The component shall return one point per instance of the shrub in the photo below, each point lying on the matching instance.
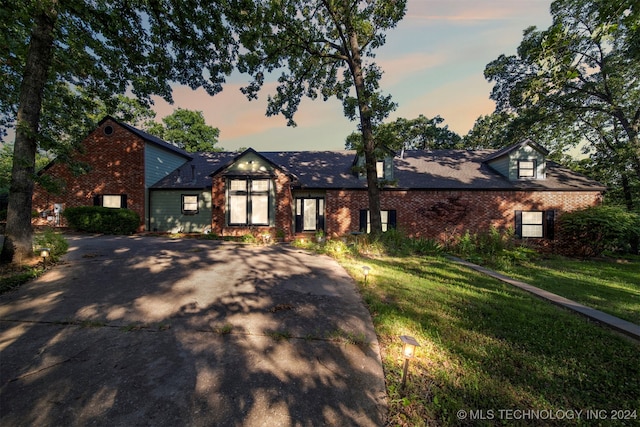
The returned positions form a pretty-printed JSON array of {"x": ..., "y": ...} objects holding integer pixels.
[
  {"x": 98, "y": 219},
  {"x": 594, "y": 230}
]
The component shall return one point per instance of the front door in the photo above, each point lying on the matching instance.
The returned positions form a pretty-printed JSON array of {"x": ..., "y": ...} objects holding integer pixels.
[{"x": 309, "y": 214}]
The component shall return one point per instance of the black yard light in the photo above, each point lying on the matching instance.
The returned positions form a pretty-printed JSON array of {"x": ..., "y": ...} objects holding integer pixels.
[{"x": 409, "y": 345}]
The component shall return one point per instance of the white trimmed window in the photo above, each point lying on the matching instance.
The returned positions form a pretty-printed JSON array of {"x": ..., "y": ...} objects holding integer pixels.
[
  {"x": 189, "y": 204},
  {"x": 526, "y": 168},
  {"x": 535, "y": 224}
]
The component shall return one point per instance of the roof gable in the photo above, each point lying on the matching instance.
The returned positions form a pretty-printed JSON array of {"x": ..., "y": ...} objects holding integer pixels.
[
  {"x": 510, "y": 149},
  {"x": 148, "y": 137}
]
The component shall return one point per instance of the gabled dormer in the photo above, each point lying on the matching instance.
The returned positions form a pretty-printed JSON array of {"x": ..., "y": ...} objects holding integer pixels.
[
  {"x": 384, "y": 165},
  {"x": 525, "y": 160}
]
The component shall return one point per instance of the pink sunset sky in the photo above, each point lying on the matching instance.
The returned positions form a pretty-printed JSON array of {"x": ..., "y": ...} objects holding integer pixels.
[{"x": 433, "y": 64}]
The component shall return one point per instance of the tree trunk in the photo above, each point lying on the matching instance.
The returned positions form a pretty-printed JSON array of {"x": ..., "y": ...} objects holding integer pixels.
[
  {"x": 367, "y": 135},
  {"x": 19, "y": 233}
]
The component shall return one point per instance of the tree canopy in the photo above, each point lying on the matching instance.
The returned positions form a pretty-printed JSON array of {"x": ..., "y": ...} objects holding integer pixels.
[
  {"x": 50, "y": 49},
  {"x": 580, "y": 81},
  {"x": 322, "y": 48},
  {"x": 188, "y": 130},
  {"x": 420, "y": 133}
]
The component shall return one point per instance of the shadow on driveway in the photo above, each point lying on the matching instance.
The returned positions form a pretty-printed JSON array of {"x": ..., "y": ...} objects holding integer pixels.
[{"x": 151, "y": 331}]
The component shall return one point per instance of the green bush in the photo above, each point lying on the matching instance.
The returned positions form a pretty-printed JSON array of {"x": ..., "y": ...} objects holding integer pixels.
[
  {"x": 53, "y": 241},
  {"x": 594, "y": 230},
  {"x": 98, "y": 219}
]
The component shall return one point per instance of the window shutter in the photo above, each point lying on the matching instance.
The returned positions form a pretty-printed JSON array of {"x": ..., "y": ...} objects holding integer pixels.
[
  {"x": 550, "y": 224},
  {"x": 391, "y": 221},
  {"x": 363, "y": 220},
  {"x": 123, "y": 202},
  {"x": 97, "y": 200},
  {"x": 518, "y": 230}
]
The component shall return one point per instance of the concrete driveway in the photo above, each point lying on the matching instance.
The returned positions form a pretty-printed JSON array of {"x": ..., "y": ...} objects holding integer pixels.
[{"x": 150, "y": 331}]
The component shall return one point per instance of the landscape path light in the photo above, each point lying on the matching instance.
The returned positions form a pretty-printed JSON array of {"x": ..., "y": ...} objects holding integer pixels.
[
  {"x": 44, "y": 253},
  {"x": 409, "y": 345},
  {"x": 365, "y": 271}
]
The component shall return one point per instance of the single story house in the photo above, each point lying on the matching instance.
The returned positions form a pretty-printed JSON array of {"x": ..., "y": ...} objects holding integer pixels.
[{"x": 434, "y": 194}]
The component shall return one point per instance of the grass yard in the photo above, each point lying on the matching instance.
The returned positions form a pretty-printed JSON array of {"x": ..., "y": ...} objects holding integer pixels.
[
  {"x": 609, "y": 285},
  {"x": 490, "y": 351}
]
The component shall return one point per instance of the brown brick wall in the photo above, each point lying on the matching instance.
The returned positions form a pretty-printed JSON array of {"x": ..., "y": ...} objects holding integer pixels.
[
  {"x": 443, "y": 214},
  {"x": 116, "y": 165},
  {"x": 283, "y": 210}
]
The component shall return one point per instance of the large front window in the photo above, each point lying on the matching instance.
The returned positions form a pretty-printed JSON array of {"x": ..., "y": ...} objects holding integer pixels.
[{"x": 249, "y": 201}]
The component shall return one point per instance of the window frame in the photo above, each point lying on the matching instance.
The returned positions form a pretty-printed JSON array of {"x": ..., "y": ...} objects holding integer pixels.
[
  {"x": 250, "y": 195},
  {"x": 532, "y": 171},
  {"x": 546, "y": 224},
  {"x": 380, "y": 169},
  {"x": 99, "y": 200},
  {"x": 390, "y": 223},
  {"x": 184, "y": 202}
]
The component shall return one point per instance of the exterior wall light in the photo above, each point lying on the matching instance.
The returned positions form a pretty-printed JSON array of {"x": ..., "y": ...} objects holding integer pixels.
[
  {"x": 45, "y": 253},
  {"x": 409, "y": 345}
]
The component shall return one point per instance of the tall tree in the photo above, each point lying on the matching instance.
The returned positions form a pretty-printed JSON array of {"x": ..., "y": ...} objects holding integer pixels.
[
  {"x": 324, "y": 47},
  {"x": 106, "y": 47},
  {"x": 420, "y": 133},
  {"x": 581, "y": 74},
  {"x": 187, "y": 129}
]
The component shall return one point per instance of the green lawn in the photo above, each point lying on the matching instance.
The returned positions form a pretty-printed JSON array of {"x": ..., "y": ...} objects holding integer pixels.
[
  {"x": 611, "y": 285},
  {"x": 491, "y": 350}
]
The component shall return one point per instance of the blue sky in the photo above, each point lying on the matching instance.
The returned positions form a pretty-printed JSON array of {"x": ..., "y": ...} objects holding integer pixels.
[{"x": 433, "y": 64}]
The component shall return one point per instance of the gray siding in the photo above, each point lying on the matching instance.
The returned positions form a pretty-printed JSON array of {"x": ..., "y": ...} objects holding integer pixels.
[
  {"x": 159, "y": 163},
  {"x": 166, "y": 211}
]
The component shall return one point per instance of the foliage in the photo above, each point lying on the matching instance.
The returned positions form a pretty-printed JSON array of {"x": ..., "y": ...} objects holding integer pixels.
[
  {"x": 577, "y": 82},
  {"x": 420, "y": 133},
  {"x": 108, "y": 48},
  {"x": 187, "y": 129},
  {"x": 53, "y": 240},
  {"x": 486, "y": 345},
  {"x": 13, "y": 276},
  {"x": 98, "y": 219},
  {"x": 321, "y": 49},
  {"x": 591, "y": 231}
]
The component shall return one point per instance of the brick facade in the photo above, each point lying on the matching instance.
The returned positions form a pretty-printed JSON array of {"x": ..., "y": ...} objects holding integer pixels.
[
  {"x": 116, "y": 166},
  {"x": 444, "y": 214}
]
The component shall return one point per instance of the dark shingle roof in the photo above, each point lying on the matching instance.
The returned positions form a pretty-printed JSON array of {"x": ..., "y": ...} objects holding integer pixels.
[
  {"x": 195, "y": 173},
  {"x": 419, "y": 169}
]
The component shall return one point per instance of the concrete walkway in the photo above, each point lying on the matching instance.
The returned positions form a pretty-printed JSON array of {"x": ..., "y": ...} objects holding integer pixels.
[{"x": 623, "y": 326}]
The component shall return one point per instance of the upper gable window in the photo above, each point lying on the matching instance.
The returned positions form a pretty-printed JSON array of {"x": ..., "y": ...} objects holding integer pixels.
[
  {"x": 526, "y": 168},
  {"x": 380, "y": 169}
]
